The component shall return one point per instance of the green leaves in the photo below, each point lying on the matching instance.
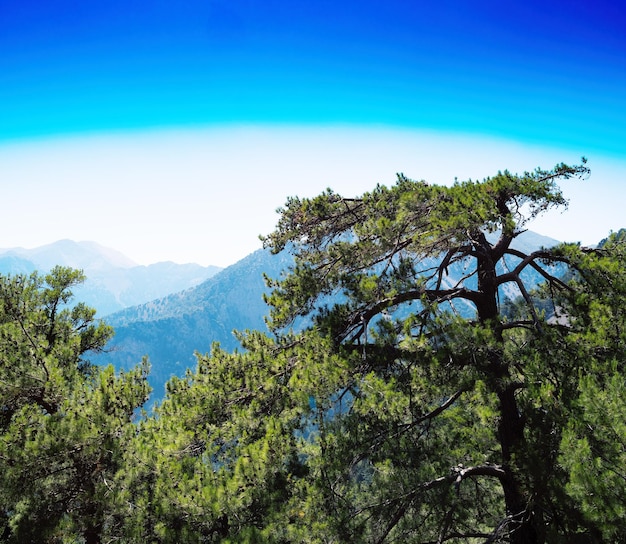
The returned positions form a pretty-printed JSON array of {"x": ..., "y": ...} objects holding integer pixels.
[
  {"x": 400, "y": 397},
  {"x": 405, "y": 283},
  {"x": 62, "y": 421},
  {"x": 593, "y": 450}
]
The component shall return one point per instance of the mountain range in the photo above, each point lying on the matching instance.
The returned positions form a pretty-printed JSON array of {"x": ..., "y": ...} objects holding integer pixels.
[
  {"x": 114, "y": 282},
  {"x": 171, "y": 329},
  {"x": 167, "y": 311}
]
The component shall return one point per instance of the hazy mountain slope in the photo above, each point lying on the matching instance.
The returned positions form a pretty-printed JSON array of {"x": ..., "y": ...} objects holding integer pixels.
[
  {"x": 88, "y": 256},
  {"x": 13, "y": 264},
  {"x": 171, "y": 329},
  {"x": 113, "y": 281}
]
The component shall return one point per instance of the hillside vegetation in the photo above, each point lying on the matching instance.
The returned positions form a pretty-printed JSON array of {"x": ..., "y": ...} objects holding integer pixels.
[{"x": 422, "y": 378}]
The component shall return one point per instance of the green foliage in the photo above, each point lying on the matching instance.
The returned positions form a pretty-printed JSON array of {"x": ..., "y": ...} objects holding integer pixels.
[
  {"x": 593, "y": 447},
  {"x": 62, "y": 420},
  {"x": 221, "y": 451},
  {"x": 594, "y": 452},
  {"x": 393, "y": 416},
  {"x": 392, "y": 402},
  {"x": 453, "y": 422}
]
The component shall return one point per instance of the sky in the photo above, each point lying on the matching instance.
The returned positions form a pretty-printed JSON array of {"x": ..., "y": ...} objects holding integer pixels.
[{"x": 174, "y": 130}]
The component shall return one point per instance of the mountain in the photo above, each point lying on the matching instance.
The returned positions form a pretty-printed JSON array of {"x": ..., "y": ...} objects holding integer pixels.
[
  {"x": 113, "y": 281},
  {"x": 169, "y": 330},
  {"x": 84, "y": 255}
]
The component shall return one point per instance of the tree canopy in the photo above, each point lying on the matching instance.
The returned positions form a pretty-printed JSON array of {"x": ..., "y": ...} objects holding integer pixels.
[
  {"x": 452, "y": 401},
  {"x": 427, "y": 379},
  {"x": 62, "y": 420}
]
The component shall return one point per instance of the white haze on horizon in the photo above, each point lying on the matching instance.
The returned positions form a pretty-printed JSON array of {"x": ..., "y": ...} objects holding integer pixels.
[{"x": 204, "y": 195}]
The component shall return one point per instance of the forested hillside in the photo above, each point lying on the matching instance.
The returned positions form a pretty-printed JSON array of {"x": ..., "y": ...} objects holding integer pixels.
[
  {"x": 171, "y": 329},
  {"x": 397, "y": 396}
]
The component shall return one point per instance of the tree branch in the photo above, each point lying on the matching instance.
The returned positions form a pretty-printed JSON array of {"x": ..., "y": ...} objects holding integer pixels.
[
  {"x": 456, "y": 477},
  {"x": 530, "y": 260}
]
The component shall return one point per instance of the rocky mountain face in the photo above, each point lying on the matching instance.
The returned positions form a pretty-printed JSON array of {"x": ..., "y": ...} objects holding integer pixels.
[{"x": 114, "y": 282}]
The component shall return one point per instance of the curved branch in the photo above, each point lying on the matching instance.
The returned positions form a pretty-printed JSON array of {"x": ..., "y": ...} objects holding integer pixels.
[
  {"x": 453, "y": 255},
  {"x": 493, "y": 471},
  {"x": 520, "y": 323},
  {"x": 363, "y": 318},
  {"x": 456, "y": 477},
  {"x": 529, "y": 302},
  {"x": 530, "y": 260}
]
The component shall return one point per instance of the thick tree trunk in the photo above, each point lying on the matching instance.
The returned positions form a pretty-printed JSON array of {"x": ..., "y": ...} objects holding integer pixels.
[
  {"x": 522, "y": 527},
  {"x": 92, "y": 535}
]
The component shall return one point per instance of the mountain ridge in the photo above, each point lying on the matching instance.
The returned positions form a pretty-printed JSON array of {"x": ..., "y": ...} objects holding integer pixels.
[
  {"x": 172, "y": 329},
  {"x": 114, "y": 281}
]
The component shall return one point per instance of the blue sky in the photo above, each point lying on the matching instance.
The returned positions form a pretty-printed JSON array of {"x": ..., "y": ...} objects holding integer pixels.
[{"x": 172, "y": 130}]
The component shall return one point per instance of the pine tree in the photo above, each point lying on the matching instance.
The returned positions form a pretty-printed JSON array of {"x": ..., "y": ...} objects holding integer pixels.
[
  {"x": 445, "y": 422},
  {"x": 62, "y": 420},
  {"x": 402, "y": 395}
]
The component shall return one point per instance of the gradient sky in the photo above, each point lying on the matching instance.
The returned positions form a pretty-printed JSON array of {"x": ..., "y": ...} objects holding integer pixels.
[{"x": 172, "y": 130}]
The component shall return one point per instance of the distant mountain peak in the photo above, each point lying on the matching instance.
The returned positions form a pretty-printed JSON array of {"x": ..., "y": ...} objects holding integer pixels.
[
  {"x": 113, "y": 280},
  {"x": 86, "y": 255}
]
